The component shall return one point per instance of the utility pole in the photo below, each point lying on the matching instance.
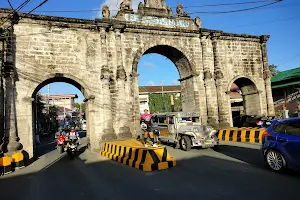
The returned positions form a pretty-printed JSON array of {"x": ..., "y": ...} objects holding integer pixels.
[
  {"x": 80, "y": 110},
  {"x": 172, "y": 103},
  {"x": 48, "y": 102},
  {"x": 162, "y": 96}
]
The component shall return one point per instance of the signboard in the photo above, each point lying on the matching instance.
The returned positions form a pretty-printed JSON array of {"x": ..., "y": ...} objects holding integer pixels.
[{"x": 148, "y": 20}]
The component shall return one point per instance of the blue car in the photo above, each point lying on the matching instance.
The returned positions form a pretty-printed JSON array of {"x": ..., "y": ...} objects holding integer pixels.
[{"x": 281, "y": 144}]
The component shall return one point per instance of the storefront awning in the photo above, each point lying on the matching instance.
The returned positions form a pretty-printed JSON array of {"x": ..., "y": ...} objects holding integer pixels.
[{"x": 283, "y": 85}]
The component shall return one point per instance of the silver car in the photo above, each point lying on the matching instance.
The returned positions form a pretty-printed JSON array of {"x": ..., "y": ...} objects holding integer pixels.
[{"x": 185, "y": 130}]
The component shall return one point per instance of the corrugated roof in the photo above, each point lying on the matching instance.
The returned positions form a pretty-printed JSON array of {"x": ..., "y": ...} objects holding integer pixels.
[
  {"x": 63, "y": 95},
  {"x": 156, "y": 89},
  {"x": 286, "y": 75},
  {"x": 176, "y": 88}
]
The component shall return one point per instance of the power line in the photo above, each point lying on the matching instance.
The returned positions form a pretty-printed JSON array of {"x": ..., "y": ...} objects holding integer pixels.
[
  {"x": 221, "y": 28},
  {"x": 10, "y": 4},
  {"x": 257, "y": 7},
  {"x": 45, "y": 1},
  {"x": 290, "y": 59},
  {"x": 266, "y": 22},
  {"x": 240, "y": 10},
  {"x": 197, "y": 6},
  {"x": 229, "y": 4},
  {"x": 14, "y": 11}
]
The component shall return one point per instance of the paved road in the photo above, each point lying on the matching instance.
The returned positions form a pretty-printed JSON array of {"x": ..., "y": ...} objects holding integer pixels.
[{"x": 232, "y": 172}]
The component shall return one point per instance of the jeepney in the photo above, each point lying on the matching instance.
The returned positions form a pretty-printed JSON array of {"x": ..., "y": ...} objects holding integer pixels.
[{"x": 185, "y": 130}]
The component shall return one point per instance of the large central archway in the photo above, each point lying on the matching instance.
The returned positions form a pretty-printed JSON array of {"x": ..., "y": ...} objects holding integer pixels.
[{"x": 190, "y": 101}]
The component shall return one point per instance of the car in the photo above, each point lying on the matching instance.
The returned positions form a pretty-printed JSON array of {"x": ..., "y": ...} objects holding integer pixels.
[
  {"x": 185, "y": 130},
  {"x": 251, "y": 121},
  {"x": 281, "y": 145}
]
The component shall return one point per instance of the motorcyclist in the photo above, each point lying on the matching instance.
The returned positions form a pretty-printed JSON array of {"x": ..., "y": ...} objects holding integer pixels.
[
  {"x": 60, "y": 132},
  {"x": 71, "y": 136}
]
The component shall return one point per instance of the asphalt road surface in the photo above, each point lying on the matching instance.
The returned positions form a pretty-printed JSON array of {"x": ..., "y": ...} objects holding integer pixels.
[{"x": 231, "y": 172}]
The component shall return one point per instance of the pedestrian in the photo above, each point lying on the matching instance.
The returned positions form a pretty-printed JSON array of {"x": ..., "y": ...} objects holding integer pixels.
[{"x": 146, "y": 118}]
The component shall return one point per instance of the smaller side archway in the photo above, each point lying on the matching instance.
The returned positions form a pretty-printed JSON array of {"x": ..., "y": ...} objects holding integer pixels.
[
  {"x": 244, "y": 97},
  {"x": 57, "y": 78}
]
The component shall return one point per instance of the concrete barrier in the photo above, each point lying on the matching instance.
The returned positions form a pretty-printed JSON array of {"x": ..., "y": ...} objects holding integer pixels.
[
  {"x": 251, "y": 135},
  {"x": 134, "y": 154},
  {"x": 17, "y": 160},
  {"x": 5, "y": 165}
]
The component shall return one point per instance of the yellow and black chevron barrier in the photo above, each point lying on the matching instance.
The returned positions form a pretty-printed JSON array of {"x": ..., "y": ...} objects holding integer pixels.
[
  {"x": 251, "y": 135},
  {"x": 10, "y": 164},
  {"x": 5, "y": 165},
  {"x": 17, "y": 160},
  {"x": 134, "y": 154}
]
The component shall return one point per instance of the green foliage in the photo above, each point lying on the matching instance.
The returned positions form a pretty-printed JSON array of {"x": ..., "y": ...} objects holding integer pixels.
[
  {"x": 156, "y": 102},
  {"x": 273, "y": 69},
  {"x": 46, "y": 118},
  {"x": 77, "y": 105}
]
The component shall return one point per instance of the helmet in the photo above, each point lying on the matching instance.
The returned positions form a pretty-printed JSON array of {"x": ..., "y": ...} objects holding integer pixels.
[{"x": 143, "y": 126}]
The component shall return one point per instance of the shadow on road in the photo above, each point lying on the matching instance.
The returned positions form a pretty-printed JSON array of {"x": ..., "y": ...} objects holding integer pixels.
[
  {"x": 49, "y": 143},
  {"x": 211, "y": 177},
  {"x": 250, "y": 156}
]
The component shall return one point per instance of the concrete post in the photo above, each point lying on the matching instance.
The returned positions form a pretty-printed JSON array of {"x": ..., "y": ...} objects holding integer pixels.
[
  {"x": 1, "y": 88},
  {"x": 136, "y": 104},
  {"x": 267, "y": 76},
  {"x": 122, "y": 123},
  {"x": 11, "y": 142},
  {"x": 108, "y": 130},
  {"x": 224, "y": 120},
  {"x": 210, "y": 87}
]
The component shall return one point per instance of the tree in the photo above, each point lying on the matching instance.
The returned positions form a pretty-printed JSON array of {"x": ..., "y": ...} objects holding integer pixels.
[
  {"x": 77, "y": 105},
  {"x": 273, "y": 70},
  {"x": 46, "y": 119},
  {"x": 156, "y": 103}
]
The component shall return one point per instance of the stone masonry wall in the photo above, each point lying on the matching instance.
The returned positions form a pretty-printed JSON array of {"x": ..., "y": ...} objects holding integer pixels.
[{"x": 102, "y": 58}]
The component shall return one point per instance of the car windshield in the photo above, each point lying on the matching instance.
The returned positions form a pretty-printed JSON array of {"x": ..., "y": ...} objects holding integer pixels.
[{"x": 189, "y": 119}]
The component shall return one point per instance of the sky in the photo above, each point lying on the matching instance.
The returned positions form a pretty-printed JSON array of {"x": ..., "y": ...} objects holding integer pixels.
[{"x": 281, "y": 21}]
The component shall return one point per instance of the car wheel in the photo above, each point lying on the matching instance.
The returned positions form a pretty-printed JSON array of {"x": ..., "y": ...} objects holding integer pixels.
[
  {"x": 275, "y": 160},
  {"x": 185, "y": 143}
]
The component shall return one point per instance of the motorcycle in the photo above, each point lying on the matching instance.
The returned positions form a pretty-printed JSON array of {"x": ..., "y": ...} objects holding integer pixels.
[
  {"x": 72, "y": 148},
  {"x": 61, "y": 143}
]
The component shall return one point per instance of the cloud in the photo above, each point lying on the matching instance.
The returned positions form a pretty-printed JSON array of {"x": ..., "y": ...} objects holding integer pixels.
[
  {"x": 175, "y": 82},
  {"x": 149, "y": 65},
  {"x": 114, "y": 6},
  {"x": 151, "y": 83}
]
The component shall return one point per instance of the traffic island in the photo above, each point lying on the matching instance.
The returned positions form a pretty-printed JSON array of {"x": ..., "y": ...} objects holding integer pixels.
[
  {"x": 251, "y": 135},
  {"x": 134, "y": 154}
]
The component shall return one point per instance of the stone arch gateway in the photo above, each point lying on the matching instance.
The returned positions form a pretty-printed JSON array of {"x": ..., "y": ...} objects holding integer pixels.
[{"x": 102, "y": 56}]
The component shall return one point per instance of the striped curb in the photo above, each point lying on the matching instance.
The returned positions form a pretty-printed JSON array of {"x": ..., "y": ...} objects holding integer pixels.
[
  {"x": 133, "y": 154},
  {"x": 10, "y": 164},
  {"x": 251, "y": 135}
]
